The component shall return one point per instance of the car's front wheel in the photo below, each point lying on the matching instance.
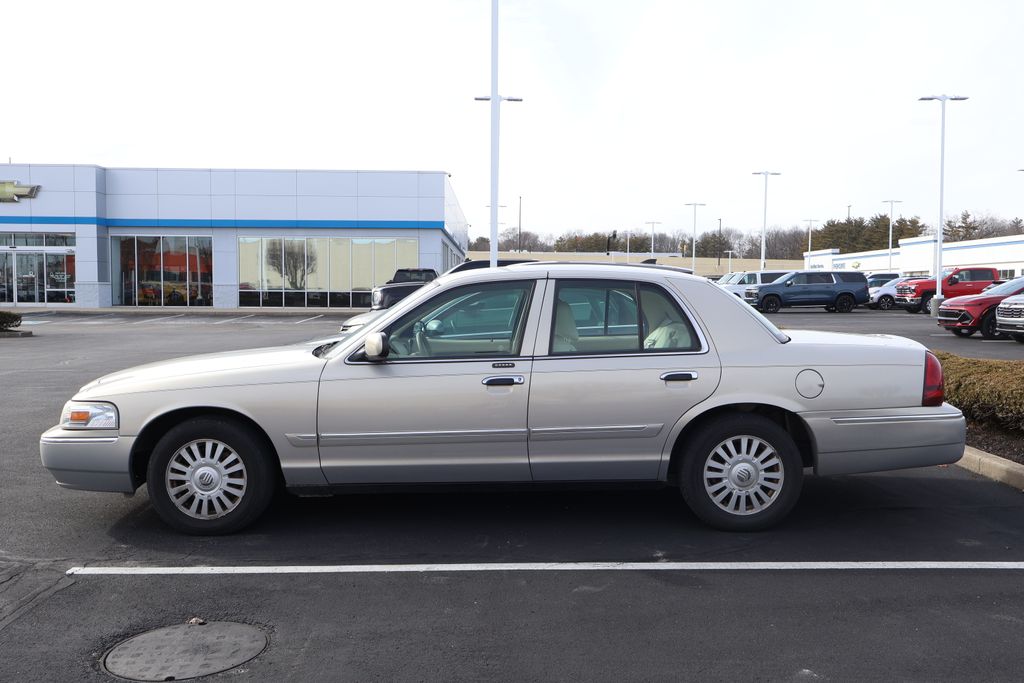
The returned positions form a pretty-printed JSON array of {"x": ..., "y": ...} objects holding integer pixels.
[
  {"x": 741, "y": 473},
  {"x": 210, "y": 475},
  {"x": 886, "y": 302},
  {"x": 771, "y": 304},
  {"x": 988, "y": 326}
]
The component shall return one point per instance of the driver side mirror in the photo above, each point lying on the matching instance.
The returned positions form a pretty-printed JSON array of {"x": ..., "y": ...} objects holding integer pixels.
[
  {"x": 376, "y": 346},
  {"x": 789, "y": 283},
  {"x": 953, "y": 279}
]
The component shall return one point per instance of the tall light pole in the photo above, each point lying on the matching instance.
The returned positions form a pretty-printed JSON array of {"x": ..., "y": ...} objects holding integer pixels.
[
  {"x": 495, "y": 101},
  {"x": 848, "y": 206},
  {"x": 627, "y": 245},
  {"x": 652, "y": 224},
  {"x": 890, "y": 202},
  {"x": 764, "y": 226},
  {"x": 719, "y": 241},
  {"x": 693, "y": 255},
  {"x": 937, "y": 299},
  {"x": 520, "y": 223},
  {"x": 810, "y": 222}
]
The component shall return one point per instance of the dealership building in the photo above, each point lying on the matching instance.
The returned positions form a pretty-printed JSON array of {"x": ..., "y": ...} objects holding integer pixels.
[
  {"x": 916, "y": 256},
  {"x": 88, "y": 236}
]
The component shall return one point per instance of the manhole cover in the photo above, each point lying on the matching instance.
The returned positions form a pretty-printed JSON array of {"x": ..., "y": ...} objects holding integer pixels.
[{"x": 177, "y": 653}]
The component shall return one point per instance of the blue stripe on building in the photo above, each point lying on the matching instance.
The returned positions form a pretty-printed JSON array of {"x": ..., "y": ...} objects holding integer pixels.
[{"x": 216, "y": 223}]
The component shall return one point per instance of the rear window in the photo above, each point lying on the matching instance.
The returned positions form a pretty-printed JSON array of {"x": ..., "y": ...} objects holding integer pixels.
[{"x": 852, "y": 277}]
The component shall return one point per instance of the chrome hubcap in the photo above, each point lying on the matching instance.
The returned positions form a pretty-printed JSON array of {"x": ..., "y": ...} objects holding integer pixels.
[
  {"x": 206, "y": 479},
  {"x": 743, "y": 475}
]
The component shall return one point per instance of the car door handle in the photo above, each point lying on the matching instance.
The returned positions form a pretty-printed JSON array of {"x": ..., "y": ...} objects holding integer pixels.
[
  {"x": 503, "y": 380},
  {"x": 685, "y": 376}
]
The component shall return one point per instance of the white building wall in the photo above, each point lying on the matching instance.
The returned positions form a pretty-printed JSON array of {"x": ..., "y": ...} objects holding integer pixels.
[{"x": 916, "y": 255}]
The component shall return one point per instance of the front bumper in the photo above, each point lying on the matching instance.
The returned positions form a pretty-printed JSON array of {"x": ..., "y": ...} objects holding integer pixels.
[
  {"x": 908, "y": 301},
  {"x": 852, "y": 441},
  {"x": 88, "y": 461},
  {"x": 1010, "y": 325},
  {"x": 955, "y": 317}
]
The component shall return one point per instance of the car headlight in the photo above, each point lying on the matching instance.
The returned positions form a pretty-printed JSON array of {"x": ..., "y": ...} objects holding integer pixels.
[{"x": 82, "y": 415}]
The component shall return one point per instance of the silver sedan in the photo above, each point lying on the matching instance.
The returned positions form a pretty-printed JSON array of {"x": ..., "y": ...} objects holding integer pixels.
[{"x": 538, "y": 372}]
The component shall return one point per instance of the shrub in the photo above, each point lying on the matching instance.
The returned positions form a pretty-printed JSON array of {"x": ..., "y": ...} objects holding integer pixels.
[
  {"x": 988, "y": 391},
  {"x": 9, "y": 320}
]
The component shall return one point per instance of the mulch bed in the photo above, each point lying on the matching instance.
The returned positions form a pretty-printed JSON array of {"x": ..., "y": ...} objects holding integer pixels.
[{"x": 997, "y": 441}]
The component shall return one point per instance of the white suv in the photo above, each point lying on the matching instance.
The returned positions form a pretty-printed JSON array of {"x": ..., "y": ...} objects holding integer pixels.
[
  {"x": 739, "y": 285},
  {"x": 1010, "y": 317}
]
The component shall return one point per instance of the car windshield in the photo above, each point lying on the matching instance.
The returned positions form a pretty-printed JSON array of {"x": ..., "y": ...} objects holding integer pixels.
[
  {"x": 1008, "y": 288},
  {"x": 729, "y": 278}
]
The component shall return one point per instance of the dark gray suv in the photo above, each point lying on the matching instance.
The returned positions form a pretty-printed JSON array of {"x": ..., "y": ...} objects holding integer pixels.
[{"x": 840, "y": 291}]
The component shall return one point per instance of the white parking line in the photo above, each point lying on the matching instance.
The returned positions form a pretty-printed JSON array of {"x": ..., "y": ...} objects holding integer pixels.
[
  {"x": 230, "y": 320},
  {"x": 25, "y": 321},
  {"x": 306, "y": 320},
  {"x": 153, "y": 320},
  {"x": 998, "y": 341},
  {"x": 542, "y": 567}
]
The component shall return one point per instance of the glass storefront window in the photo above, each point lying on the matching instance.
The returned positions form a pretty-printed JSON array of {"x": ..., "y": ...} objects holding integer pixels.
[
  {"x": 147, "y": 254},
  {"x": 318, "y": 271},
  {"x": 273, "y": 269},
  {"x": 172, "y": 270},
  {"x": 30, "y": 278},
  {"x": 6, "y": 278},
  {"x": 59, "y": 239},
  {"x": 200, "y": 271},
  {"x": 122, "y": 269},
  {"x": 383, "y": 261},
  {"x": 175, "y": 271},
  {"x": 28, "y": 239},
  {"x": 408, "y": 254}
]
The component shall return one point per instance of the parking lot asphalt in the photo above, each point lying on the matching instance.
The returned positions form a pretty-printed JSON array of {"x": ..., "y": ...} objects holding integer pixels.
[{"x": 825, "y": 623}]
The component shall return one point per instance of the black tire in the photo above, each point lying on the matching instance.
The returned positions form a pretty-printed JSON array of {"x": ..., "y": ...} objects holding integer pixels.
[
  {"x": 701, "y": 448},
  {"x": 257, "y": 480},
  {"x": 886, "y": 302},
  {"x": 1018, "y": 338},
  {"x": 962, "y": 331},
  {"x": 926, "y": 301},
  {"x": 771, "y": 304},
  {"x": 844, "y": 303},
  {"x": 988, "y": 326}
]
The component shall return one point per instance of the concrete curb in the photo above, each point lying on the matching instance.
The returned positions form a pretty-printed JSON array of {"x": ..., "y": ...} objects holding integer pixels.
[{"x": 993, "y": 467}]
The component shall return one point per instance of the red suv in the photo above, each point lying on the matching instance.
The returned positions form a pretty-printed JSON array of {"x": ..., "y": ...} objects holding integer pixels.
[{"x": 965, "y": 315}]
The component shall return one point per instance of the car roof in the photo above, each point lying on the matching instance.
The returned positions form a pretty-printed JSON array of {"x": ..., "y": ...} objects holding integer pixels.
[{"x": 598, "y": 268}]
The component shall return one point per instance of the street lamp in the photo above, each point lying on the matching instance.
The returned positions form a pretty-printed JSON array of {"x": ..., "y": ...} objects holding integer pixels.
[
  {"x": 764, "y": 226},
  {"x": 693, "y": 256},
  {"x": 495, "y": 101},
  {"x": 937, "y": 299},
  {"x": 809, "y": 222},
  {"x": 890, "y": 202},
  {"x": 652, "y": 224}
]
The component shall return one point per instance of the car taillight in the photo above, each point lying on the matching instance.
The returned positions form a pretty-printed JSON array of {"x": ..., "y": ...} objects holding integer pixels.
[{"x": 934, "y": 393}]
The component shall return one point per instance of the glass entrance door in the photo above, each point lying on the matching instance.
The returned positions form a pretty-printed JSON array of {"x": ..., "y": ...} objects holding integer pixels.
[
  {"x": 28, "y": 274},
  {"x": 6, "y": 278}
]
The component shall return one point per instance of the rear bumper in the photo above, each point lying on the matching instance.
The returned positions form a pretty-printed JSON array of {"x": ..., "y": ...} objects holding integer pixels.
[
  {"x": 853, "y": 441},
  {"x": 88, "y": 461}
]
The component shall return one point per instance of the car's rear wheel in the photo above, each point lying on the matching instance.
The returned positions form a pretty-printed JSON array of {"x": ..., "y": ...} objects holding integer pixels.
[
  {"x": 741, "y": 473},
  {"x": 771, "y": 304},
  {"x": 962, "y": 331},
  {"x": 210, "y": 475},
  {"x": 988, "y": 326},
  {"x": 886, "y": 302},
  {"x": 926, "y": 304},
  {"x": 844, "y": 303}
]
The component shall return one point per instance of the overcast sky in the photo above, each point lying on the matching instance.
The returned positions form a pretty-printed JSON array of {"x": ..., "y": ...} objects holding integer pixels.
[{"x": 631, "y": 109}]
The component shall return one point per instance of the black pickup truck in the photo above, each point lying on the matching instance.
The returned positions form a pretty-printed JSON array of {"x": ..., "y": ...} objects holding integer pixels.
[{"x": 405, "y": 282}]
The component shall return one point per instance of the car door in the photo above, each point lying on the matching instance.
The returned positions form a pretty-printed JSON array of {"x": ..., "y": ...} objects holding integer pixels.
[
  {"x": 449, "y": 402},
  {"x": 617, "y": 364},
  {"x": 799, "y": 289}
]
